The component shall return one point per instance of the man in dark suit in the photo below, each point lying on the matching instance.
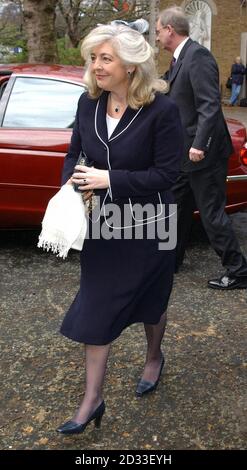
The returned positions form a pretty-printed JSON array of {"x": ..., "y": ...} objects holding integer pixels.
[{"x": 194, "y": 86}]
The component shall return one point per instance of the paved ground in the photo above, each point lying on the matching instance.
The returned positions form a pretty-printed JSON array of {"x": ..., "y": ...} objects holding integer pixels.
[{"x": 201, "y": 400}]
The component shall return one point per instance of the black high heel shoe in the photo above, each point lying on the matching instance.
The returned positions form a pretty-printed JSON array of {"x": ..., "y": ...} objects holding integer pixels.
[
  {"x": 144, "y": 386},
  {"x": 71, "y": 427}
]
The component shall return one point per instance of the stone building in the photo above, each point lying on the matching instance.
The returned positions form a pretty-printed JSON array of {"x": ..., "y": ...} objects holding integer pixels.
[{"x": 221, "y": 26}]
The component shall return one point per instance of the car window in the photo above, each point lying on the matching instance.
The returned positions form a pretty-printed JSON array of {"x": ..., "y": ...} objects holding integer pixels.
[
  {"x": 2, "y": 88},
  {"x": 42, "y": 102}
]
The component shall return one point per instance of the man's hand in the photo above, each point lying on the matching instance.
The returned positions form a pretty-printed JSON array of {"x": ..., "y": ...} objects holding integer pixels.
[{"x": 196, "y": 155}]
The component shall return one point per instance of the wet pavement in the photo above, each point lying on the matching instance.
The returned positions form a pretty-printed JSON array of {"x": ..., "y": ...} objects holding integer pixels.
[{"x": 201, "y": 400}]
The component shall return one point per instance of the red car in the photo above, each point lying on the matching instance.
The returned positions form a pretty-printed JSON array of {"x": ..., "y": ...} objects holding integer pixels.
[{"x": 37, "y": 110}]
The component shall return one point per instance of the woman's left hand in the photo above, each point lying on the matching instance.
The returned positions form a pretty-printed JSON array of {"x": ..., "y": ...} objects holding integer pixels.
[{"x": 90, "y": 178}]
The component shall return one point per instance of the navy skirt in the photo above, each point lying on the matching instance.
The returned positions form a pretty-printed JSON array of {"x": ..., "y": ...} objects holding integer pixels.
[{"x": 122, "y": 282}]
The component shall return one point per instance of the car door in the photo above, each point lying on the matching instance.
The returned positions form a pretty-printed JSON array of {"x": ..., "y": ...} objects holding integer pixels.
[
  {"x": 37, "y": 115},
  {"x": 237, "y": 171}
]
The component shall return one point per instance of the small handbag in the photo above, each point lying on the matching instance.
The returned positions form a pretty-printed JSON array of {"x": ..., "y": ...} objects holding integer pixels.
[
  {"x": 64, "y": 225},
  {"x": 229, "y": 83},
  {"x": 88, "y": 197}
]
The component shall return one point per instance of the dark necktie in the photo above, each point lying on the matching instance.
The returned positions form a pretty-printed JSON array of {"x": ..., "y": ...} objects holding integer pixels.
[{"x": 173, "y": 62}]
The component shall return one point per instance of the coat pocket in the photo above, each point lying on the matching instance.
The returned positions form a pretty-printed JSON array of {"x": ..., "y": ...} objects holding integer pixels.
[{"x": 148, "y": 212}]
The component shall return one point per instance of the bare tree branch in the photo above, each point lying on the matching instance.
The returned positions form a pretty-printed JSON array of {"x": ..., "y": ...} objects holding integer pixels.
[{"x": 80, "y": 16}]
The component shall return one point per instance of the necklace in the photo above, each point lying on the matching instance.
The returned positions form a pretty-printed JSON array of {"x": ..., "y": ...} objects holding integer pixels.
[{"x": 116, "y": 107}]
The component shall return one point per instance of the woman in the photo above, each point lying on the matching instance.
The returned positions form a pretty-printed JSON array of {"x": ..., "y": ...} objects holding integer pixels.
[
  {"x": 238, "y": 72},
  {"x": 132, "y": 133}
]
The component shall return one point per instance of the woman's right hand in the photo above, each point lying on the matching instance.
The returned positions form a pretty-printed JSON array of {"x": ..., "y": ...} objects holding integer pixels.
[{"x": 85, "y": 194}]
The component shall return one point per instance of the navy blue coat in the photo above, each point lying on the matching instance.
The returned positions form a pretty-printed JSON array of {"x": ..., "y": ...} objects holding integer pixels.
[
  {"x": 124, "y": 281},
  {"x": 238, "y": 71}
]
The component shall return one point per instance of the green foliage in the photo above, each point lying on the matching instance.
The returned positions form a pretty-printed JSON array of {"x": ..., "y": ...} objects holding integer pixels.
[
  {"x": 20, "y": 58},
  {"x": 68, "y": 55},
  {"x": 10, "y": 37}
]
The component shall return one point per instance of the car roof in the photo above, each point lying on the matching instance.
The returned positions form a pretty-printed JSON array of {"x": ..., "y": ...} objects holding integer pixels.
[{"x": 69, "y": 72}]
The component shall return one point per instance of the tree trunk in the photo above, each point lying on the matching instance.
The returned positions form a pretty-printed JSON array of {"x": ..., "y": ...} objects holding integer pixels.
[
  {"x": 154, "y": 8},
  {"x": 39, "y": 27}
]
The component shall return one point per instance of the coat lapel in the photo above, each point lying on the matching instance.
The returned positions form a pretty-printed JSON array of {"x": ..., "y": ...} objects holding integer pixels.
[
  {"x": 100, "y": 119},
  {"x": 179, "y": 62},
  {"x": 125, "y": 121}
]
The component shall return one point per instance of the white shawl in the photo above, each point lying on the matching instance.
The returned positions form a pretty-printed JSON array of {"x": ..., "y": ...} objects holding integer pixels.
[{"x": 64, "y": 225}]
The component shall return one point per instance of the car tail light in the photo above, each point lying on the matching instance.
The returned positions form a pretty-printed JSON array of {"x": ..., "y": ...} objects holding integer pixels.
[{"x": 243, "y": 154}]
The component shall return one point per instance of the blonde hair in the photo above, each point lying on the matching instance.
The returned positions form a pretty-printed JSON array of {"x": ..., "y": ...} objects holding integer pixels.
[{"x": 132, "y": 49}]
